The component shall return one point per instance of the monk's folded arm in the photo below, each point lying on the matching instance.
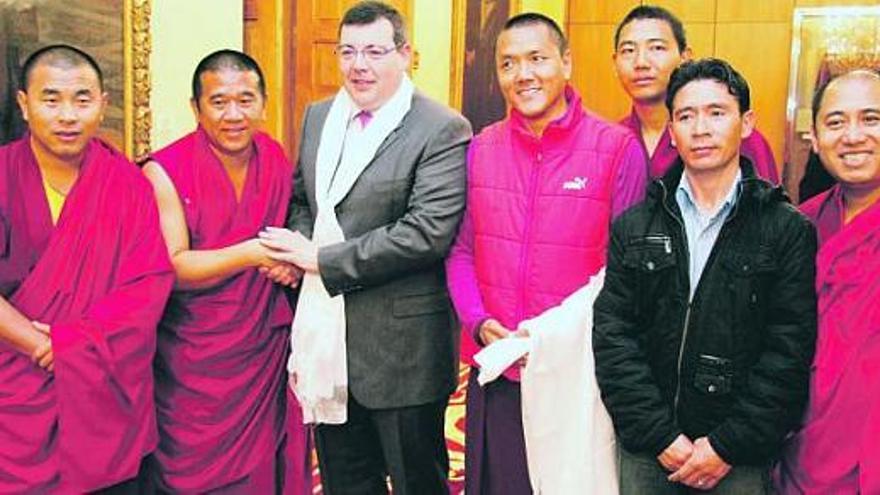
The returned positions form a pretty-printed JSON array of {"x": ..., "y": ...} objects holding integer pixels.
[
  {"x": 203, "y": 268},
  {"x": 17, "y": 331}
]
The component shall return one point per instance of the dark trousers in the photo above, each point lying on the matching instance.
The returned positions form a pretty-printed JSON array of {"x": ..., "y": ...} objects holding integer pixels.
[
  {"x": 642, "y": 474},
  {"x": 407, "y": 444},
  {"x": 495, "y": 458}
]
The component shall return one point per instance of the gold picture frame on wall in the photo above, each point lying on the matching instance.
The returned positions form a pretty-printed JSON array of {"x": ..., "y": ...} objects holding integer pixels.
[
  {"x": 115, "y": 32},
  {"x": 826, "y": 41},
  {"x": 137, "y": 46}
]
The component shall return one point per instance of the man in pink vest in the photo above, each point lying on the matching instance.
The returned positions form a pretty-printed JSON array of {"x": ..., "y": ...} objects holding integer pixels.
[
  {"x": 837, "y": 450},
  {"x": 224, "y": 340},
  {"x": 84, "y": 276},
  {"x": 543, "y": 186},
  {"x": 649, "y": 44}
]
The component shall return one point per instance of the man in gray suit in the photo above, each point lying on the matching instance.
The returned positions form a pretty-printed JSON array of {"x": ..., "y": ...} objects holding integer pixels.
[{"x": 379, "y": 191}]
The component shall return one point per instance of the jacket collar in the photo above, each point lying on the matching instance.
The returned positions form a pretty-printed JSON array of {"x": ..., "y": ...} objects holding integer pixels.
[
  {"x": 663, "y": 189},
  {"x": 572, "y": 117}
]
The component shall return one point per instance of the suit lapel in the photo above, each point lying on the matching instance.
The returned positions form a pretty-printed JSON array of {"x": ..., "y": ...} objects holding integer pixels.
[
  {"x": 312, "y": 139},
  {"x": 394, "y": 135},
  {"x": 311, "y": 152},
  {"x": 388, "y": 141}
]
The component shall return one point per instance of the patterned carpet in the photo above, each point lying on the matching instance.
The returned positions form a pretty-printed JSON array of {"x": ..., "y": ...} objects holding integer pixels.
[{"x": 455, "y": 432}]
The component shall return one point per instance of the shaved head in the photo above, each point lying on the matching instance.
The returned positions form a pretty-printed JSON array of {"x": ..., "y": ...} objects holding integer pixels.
[
  {"x": 819, "y": 96},
  {"x": 60, "y": 56},
  {"x": 846, "y": 132},
  {"x": 223, "y": 60}
]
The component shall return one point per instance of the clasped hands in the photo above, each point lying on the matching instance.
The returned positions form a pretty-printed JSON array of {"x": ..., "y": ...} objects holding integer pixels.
[
  {"x": 287, "y": 255},
  {"x": 695, "y": 464},
  {"x": 492, "y": 330},
  {"x": 42, "y": 354}
]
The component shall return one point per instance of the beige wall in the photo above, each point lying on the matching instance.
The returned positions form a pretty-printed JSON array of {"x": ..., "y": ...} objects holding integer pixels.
[
  {"x": 432, "y": 39},
  {"x": 555, "y": 9},
  {"x": 182, "y": 33}
]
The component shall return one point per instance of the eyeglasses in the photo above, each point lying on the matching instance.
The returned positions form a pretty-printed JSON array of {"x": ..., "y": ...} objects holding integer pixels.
[{"x": 348, "y": 53}]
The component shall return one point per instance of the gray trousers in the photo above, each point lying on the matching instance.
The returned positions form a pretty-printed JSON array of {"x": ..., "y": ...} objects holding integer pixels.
[{"x": 642, "y": 474}]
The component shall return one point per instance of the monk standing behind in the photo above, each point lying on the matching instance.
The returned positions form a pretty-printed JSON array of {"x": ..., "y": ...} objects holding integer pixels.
[
  {"x": 837, "y": 450},
  {"x": 84, "y": 276},
  {"x": 649, "y": 43},
  {"x": 224, "y": 339}
]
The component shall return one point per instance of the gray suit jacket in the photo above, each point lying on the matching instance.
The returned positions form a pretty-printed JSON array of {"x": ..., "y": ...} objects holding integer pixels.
[{"x": 399, "y": 218}]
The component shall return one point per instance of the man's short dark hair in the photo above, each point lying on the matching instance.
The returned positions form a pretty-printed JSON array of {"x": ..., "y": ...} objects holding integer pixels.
[
  {"x": 819, "y": 95},
  {"x": 712, "y": 69},
  {"x": 534, "y": 18},
  {"x": 59, "y": 55},
  {"x": 658, "y": 13},
  {"x": 226, "y": 59},
  {"x": 369, "y": 12}
]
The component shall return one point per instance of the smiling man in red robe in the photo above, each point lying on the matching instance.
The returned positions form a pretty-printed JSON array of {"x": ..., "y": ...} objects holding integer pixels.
[
  {"x": 224, "y": 340},
  {"x": 837, "y": 449},
  {"x": 84, "y": 276}
]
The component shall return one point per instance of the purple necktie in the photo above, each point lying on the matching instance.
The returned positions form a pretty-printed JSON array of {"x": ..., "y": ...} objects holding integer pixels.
[{"x": 364, "y": 117}]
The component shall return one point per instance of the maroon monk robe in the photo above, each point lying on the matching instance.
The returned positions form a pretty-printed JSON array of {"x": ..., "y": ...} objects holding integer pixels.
[
  {"x": 837, "y": 451},
  {"x": 100, "y": 279},
  {"x": 221, "y": 367}
]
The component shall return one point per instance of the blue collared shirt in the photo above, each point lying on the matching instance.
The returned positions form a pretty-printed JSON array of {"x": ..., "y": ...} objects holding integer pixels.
[{"x": 702, "y": 227}]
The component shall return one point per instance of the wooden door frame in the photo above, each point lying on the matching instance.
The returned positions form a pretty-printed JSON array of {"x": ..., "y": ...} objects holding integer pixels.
[{"x": 274, "y": 50}]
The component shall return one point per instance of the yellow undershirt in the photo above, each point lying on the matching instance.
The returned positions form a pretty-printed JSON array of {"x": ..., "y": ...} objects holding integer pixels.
[{"x": 56, "y": 201}]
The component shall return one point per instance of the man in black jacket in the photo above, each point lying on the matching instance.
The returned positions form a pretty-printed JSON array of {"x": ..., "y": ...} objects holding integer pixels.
[{"x": 706, "y": 325}]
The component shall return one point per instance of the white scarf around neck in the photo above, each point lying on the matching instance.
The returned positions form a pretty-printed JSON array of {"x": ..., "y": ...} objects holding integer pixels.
[{"x": 318, "y": 367}]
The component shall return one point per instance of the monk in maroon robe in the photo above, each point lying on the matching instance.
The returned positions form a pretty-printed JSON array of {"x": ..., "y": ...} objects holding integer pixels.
[
  {"x": 649, "y": 44},
  {"x": 84, "y": 276},
  {"x": 221, "y": 379},
  {"x": 838, "y": 449}
]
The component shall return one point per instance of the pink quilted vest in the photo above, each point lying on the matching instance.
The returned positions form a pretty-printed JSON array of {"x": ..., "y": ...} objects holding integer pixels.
[{"x": 541, "y": 209}]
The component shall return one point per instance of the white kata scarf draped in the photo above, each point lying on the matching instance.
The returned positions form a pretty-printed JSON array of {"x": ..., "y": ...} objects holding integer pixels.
[
  {"x": 318, "y": 368},
  {"x": 570, "y": 442}
]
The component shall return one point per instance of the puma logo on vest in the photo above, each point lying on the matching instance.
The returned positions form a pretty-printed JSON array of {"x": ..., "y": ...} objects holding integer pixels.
[{"x": 576, "y": 184}]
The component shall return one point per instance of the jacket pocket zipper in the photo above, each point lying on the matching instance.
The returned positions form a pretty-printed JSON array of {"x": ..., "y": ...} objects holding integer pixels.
[
  {"x": 684, "y": 333},
  {"x": 660, "y": 239}
]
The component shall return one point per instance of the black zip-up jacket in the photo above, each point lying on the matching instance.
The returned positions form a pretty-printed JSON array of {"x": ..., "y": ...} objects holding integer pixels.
[{"x": 733, "y": 364}]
